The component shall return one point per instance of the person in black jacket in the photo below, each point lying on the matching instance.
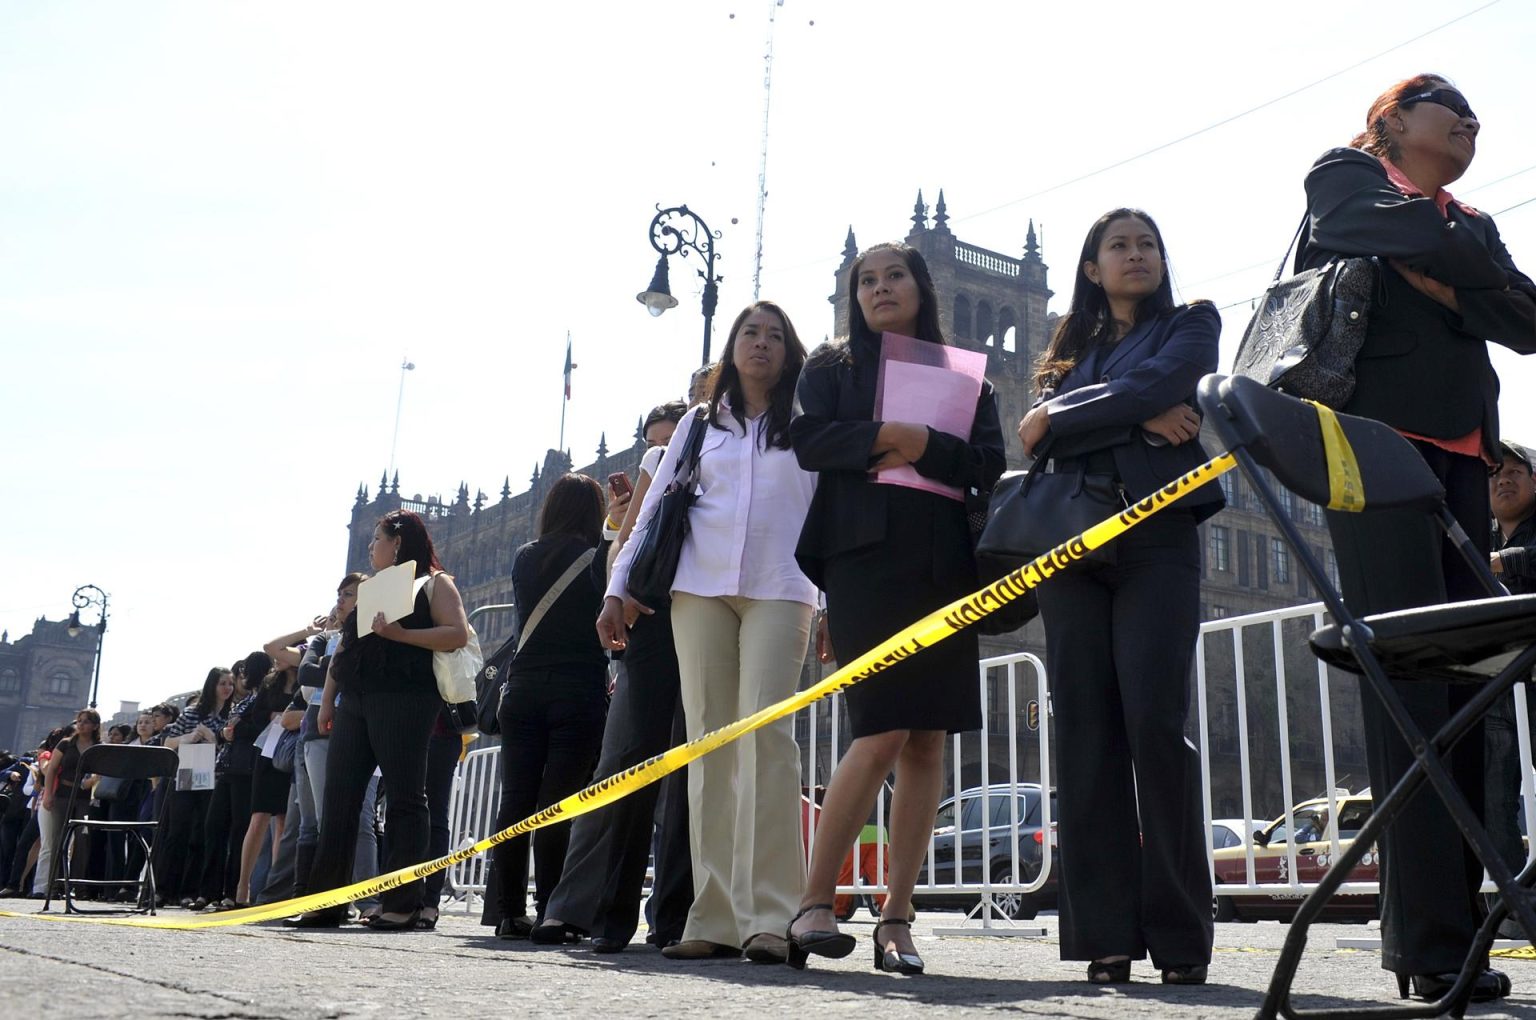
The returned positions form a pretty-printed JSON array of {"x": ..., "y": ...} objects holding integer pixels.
[
  {"x": 556, "y": 697},
  {"x": 886, "y": 556},
  {"x": 1448, "y": 287},
  {"x": 1117, "y": 386}
]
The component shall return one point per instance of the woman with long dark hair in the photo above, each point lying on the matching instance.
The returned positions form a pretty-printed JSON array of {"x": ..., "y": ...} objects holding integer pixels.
[
  {"x": 229, "y": 811},
  {"x": 741, "y": 613},
  {"x": 1449, "y": 288},
  {"x": 379, "y": 704},
  {"x": 886, "y": 556},
  {"x": 269, "y": 786},
  {"x": 1117, "y": 385},
  {"x": 601, "y": 883},
  {"x": 177, "y": 869},
  {"x": 556, "y": 697}
]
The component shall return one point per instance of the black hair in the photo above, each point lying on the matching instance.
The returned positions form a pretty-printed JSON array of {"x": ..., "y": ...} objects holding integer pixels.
[
  {"x": 928, "y": 327},
  {"x": 781, "y": 399},
  {"x": 574, "y": 506},
  {"x": 415, "y": 543},
  {"x": 1089, "y": 321},
  {"x": 208, "y": 700},
  {"x": 672, "y": 411}
]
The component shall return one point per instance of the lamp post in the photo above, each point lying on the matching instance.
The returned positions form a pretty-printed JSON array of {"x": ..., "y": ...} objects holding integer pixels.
[
  {"x": 86, "y": 596},
  {"x": 674, "y": 230}
]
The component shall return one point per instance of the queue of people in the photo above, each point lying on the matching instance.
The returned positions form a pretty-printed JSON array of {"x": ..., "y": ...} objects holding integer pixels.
[{"x": 793, "y": 535}]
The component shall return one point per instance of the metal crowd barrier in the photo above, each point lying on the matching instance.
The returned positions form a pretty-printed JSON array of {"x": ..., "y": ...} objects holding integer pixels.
[
  {"x": 1213, "y": 635},
  {"x": 999, "y": 746}
]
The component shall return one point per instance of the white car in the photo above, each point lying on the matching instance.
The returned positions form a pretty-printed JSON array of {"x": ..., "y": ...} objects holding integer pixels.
[{"x": 1227, "y": 832}]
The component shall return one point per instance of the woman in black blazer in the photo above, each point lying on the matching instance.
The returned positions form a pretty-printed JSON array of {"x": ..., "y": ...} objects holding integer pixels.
[
  {"x": 1448, "y": 287},
  {"x": 886, "y": 556},
  {"x": 1117, "y": 384}
]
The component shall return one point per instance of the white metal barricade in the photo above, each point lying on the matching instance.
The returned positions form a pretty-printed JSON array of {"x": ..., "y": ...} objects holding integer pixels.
[{"x": 997, "y": 889}]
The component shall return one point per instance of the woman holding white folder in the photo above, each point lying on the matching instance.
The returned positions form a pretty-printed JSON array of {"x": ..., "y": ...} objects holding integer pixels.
[
  {"x": 383, "y": 717},
  {"x": 886, "y": 556}
]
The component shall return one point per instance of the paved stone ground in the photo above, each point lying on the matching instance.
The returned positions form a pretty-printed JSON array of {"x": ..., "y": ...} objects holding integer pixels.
[{"x": 88, "y": 971}]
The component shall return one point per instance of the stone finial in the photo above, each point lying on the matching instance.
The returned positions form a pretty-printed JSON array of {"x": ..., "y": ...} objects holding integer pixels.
[
  {"x": 383, "y": 482},
  {"x": 1031, "y": 244},
  {"x": 479, "y": 499},
  {"x": 919, "y": 213},
  {"x": 362, "y": 495},
  {"x": 394, "y": 487},
  {"x": 850, "y": 247},
  {"x": 640, "y": 430},
  {"x": 506, "y": 488},
  {"x": 940, "y": 214},
  {"x": 602, "y": 446}
]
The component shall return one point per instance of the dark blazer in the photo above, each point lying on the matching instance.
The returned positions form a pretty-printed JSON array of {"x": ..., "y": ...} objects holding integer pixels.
[
  {"x": 832, "y": 431},
  {"x": 1424, "y": 368},
  {"x": 1154, "y": 366}
]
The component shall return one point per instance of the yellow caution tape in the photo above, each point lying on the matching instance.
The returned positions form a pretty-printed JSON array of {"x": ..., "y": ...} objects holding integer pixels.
[
  {"x": 930, "y": 630},
  {"x": 1346, "y": 490},
  {"x": 1517, "y": 953}
]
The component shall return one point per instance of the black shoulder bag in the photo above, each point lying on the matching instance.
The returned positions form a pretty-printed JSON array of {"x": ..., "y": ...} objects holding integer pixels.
[
  {"x": 1307, "y": 333},
  {"x": 654, "y": 565}
]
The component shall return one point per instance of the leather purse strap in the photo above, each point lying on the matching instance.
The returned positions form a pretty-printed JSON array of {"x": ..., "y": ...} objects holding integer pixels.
[
  {"x": 1280, "y": 269},
  {"x": 557, "y": 589}
]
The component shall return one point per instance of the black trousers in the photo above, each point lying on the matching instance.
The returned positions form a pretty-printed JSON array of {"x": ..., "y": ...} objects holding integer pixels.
[
  {"x": 551, "y": 730},
  {"x": 389, "y": 732},
  {"x": 1397, "y": 559},
  {"x": 177, "y": 868},
  {"x": 1119, "y": 642},
  {"x": 443, "y": 754},
  {"x": 229, "y": 815},
  {"x": 604, "y": 874}
]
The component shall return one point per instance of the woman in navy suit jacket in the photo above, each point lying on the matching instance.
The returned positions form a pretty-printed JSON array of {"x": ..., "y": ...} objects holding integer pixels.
[{"x": 1116, "y": 386}]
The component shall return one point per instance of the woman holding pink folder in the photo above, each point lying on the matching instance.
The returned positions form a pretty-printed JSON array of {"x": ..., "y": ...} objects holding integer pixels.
[
  {"x": 887, "y": 555},
  {"x": 1116, "y": 387}
]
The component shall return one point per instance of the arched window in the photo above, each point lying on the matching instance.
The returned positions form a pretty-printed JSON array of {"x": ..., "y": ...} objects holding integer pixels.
[
  {"x": 10, "y": 681},
  {"x": 985, "y": 326},
  {"x": 60, "y": 681},
  {"x": 1007, "y": 332},
  {"x": 962, "y": 316}
]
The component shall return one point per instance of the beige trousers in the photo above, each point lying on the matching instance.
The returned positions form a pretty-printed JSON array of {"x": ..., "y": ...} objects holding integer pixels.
[{"x": 736, "y": 656}]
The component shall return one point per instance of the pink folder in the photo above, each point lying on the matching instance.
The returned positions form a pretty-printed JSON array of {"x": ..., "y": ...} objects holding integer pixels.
[{"x": 929, "y": 384}]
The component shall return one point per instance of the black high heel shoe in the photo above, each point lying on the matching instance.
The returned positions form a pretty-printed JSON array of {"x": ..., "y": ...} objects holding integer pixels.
[
  {"x": 1488, "y": 986},
  {"x": 832, "y": 944},
  {"x": 894, "y": 961},
  {"x": 408, "y": 923},
  {"x": 1109, "y": 972}
]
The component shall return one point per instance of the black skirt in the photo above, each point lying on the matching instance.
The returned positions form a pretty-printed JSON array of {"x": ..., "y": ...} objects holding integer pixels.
[
  {"x": 269, "y": 788},
  {"x": 924, "y": 564}
]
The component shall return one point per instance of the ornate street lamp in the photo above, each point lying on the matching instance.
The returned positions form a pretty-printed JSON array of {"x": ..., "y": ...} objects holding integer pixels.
[
  {"x": 675, "y": 230},
  {"x": 86, "y": 596}
]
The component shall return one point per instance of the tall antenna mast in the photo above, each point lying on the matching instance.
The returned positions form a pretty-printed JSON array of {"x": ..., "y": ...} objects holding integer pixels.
[{"x": 762, "y": 170}]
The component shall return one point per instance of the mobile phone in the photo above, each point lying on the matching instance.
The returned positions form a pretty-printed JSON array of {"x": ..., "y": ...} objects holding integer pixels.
[{"x": 618, "y": 484}]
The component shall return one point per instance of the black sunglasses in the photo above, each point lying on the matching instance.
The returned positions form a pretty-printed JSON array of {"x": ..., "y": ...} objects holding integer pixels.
[{"x": 1448, "y": 98}]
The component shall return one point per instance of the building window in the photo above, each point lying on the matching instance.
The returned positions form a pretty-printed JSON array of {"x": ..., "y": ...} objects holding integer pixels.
[
  {"x": 1313, "y": 515},
  {"x": 1282, "y": 552},
  {"x": 1228, "y": 485},
  {"x": 1333, "y": 570},
  {"x": 10, "y": 681},
  {"x": 1218, "y": 612},
  {"x": 1242, "y": 559},
  {"x": 1287, "y": 501},
  {"x": 962, "y": 315},
  {"x": 59, "y": 682},
  {"x": 1221, "y": 547}
]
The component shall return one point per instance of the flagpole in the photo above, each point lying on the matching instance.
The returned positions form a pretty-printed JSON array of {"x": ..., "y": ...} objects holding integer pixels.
[{"x": 567, "y": 398}]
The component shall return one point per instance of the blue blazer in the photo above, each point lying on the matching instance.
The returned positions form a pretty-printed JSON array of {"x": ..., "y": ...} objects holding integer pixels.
[{"x": 1156, "y": 365}]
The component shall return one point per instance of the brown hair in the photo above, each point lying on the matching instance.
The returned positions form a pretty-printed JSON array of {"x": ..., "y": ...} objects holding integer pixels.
[
  {"x": 1376, "y": 139},
  {"x": 415, "y": 543}
]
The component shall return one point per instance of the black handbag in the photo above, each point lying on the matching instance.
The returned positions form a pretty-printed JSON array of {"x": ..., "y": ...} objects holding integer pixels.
[
  {"x": 1032, "y": 512},
  {"x": 1013, "y": 614},
  {"x": 654, "y": 565},
  {"x": 1307, "y": 333},
  {"x": 489, "y": 685}
]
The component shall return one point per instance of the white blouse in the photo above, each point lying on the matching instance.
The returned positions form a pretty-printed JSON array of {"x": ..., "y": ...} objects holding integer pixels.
[{"x": 743, "y": 527}]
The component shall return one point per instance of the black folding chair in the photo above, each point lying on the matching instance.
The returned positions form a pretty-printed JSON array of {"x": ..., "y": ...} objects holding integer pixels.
[
  {"x": 1490, "y": 642},
  {"x": 113, "y": 761}
]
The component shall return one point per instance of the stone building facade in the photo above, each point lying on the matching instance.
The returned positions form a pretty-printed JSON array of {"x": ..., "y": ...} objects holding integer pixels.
[
  {"x": 45, "y": 677},
  {"x": 996, "y": 304}
]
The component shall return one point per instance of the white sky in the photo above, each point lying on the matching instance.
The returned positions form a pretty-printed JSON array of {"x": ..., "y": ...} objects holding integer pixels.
[{"x": 222, "y": 225}]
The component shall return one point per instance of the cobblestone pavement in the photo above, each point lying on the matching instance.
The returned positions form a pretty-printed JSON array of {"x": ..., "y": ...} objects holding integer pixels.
[{"x": 89, "y": 971}]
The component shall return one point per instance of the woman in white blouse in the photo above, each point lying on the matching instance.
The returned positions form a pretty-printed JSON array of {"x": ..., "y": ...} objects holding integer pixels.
[{"x": 741, "y": 614}]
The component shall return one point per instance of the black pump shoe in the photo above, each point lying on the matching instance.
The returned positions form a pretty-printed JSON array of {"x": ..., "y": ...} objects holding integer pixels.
[
  {"x": 1109, "y": 972},
  {"x": 832, "y": 944},
  {"x": 891, "y": 960},
  {"x": 320, "y": 919},
  {"x": 1488, "y": 986}
]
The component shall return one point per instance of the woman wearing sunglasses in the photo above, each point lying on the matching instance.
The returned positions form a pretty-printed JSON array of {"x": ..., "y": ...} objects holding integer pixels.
[{"x": 1448, "y": 287}]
